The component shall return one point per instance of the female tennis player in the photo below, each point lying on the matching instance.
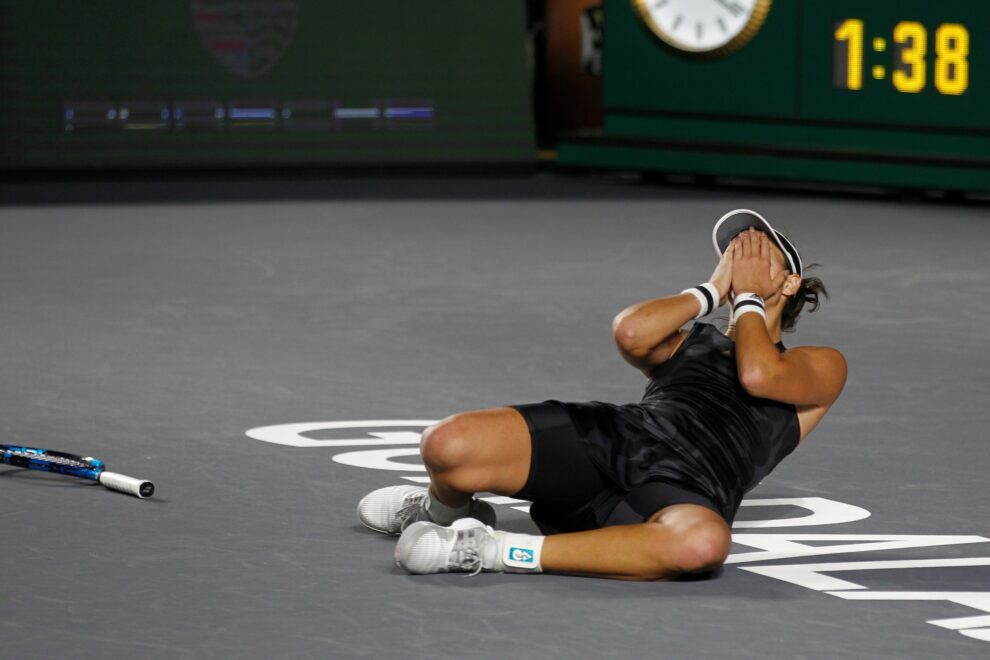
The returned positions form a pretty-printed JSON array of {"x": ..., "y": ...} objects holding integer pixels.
[{"x": 643, "y": 491}]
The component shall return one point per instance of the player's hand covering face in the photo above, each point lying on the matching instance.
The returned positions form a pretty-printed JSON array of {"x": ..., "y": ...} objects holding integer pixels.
[{"x": 754, "y": 268}]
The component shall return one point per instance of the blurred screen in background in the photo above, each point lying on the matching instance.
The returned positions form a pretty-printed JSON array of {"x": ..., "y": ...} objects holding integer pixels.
[{"x": 263, "y": 82}]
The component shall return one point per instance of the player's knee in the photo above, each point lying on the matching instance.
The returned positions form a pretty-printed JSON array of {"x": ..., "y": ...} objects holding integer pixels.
[
  {"x": 443, "y": 446},
  {"x": 702, "y": 547},
  {"x": 677, "y": 550}
]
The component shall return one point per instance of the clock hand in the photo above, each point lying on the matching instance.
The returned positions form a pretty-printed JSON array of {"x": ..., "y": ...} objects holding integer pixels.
[{"x": 734, "y": 7}]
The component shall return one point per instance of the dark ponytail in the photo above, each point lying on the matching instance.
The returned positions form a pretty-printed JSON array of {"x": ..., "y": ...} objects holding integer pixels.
[{"x": 811, "y": 291}]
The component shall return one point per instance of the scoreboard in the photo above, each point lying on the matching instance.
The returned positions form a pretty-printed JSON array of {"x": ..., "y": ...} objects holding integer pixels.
[
  {"x": 881, "y": 92},
  {"x": 194, "y": 83}
]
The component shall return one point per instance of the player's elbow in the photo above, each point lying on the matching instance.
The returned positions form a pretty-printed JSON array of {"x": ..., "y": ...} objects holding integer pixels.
[
  {"x": 756, "y": 380},
  {"x": 628, "y": 336}
]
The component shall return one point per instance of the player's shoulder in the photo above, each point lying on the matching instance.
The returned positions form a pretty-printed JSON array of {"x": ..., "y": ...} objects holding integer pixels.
[
  {"x": 824, "y": 355},
  {"x": 823, "y": 366}
]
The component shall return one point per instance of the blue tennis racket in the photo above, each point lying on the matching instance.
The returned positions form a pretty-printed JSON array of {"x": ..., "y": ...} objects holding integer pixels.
[{"x": 47, "y": 460}]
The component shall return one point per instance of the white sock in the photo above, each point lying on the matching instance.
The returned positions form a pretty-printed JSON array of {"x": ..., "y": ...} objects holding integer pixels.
[
  {"x": 442, "y": 514},
  {"x": 518, "y": 553}
]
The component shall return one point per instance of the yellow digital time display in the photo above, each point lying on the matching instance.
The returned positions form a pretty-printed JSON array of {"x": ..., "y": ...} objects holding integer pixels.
[{"x": 919, "y": 56}]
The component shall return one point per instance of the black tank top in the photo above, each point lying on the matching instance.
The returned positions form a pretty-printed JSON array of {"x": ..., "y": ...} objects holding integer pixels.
[{"x": 697, "y": 427}]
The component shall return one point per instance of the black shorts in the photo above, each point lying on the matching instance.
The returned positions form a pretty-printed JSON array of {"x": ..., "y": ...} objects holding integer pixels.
[{"x": 568, "y": 491}]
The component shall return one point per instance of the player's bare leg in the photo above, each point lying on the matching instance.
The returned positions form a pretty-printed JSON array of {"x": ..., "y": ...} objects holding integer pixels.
[
  {"x": 487, "y": 450},
  {"x": 683, "y": 538}
]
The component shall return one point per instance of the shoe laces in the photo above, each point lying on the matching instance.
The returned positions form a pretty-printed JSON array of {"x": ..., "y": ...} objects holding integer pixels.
[
  {"x": 467, "y": 551},
  {"x": 408, "y": 512}
]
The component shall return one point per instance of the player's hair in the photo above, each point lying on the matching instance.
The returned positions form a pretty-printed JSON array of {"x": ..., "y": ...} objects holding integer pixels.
[{"x": 811, "y": 292}]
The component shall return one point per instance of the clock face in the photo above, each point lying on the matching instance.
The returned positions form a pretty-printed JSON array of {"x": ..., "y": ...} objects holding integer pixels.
[{"x": 704, "y": 26}]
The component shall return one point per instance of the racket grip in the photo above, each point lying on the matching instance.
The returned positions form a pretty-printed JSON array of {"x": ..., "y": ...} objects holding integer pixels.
[{"x": 136, "y": 487}]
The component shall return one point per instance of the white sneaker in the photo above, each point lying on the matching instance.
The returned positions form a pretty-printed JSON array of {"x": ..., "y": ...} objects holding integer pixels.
[
  {"x": 468, "y": 545},
  {"x": 390, "y": 510}
]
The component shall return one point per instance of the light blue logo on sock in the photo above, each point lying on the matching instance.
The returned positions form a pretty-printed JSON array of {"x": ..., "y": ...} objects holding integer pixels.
[{"x": 521, "y": 555}]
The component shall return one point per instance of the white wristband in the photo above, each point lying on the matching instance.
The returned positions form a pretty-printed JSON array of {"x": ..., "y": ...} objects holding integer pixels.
[
  {"x": 707, "y": 295},
  {"x": 748, "y": 302}
]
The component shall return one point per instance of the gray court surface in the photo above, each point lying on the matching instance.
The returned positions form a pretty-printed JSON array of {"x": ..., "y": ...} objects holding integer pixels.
[{"x": 153, "y": 324}]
